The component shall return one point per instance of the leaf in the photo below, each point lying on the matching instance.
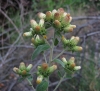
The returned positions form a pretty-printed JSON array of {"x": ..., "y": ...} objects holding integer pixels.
[
  {"x": 30, "y": 78},
  {"x": 59, "y": 61},
  {"x": 56, "y": 41},
  {"x": 59, "y": 74},
  {"x": 39, "y": 49},
  {"x": 42, "y": 86}
]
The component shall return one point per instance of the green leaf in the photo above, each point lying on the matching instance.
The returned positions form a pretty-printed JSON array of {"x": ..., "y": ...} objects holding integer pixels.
[
  {"x": 59, "y": 74},
  {"x": 30, "y": 78},
  {"x": 56, "y": 41},
  {"x": 59, "y": 61},
  {"x": 39, "y": 49},
  {"x": 42, "y": 86}
]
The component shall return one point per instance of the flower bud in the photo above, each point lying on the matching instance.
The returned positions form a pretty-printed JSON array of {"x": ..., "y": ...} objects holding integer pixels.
[
  {"x": 33, "y": 23},
  {"x": 16, "y": 70},
  {"x": 77, "y": 67},
  {"x": 71, "y": 60},
  {"x": 72, "y": 65},
  {"x": 64, "y": 14},
  {"x": 73, "y": 26},
  {"x": 37, "y": 28},
  {"x": 44, "y": 66},
  {"x": 41, "y": 23},
  {"x": 52, "y": 68},
  {"x": 64, "y": 40},
  {"x": 64, "y": 60},
  {"x": 57, "y": 24},
  {"x": 74, "y": 40},
  {"x": 29, "y": 67},
  {"x": 61, "y": 11},
  {"x": 39, "y": 67},
  {"x": 67, "y": 18},
  {"x": 54, "y": 11},
  {"x": 57, "y": 16},
  {"x": 39, "y": 79},
  {"x": 24, "y": 72},
  {"x": 22, "y": 66},
  {"x": 77, "y": 48},
  {"x": 41, "y": 15},
  {"x": 27, "y": 34},
  {"x": 68, "y": 29},
  {"x": 48, "y": 15}
]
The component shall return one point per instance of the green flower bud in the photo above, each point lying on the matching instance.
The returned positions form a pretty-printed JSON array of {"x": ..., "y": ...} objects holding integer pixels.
[
  {"x": 57, "y": 24},
  {"x": 48, "y": 15},
  {"x": 71, "y": 60},
  {"x": 64, "y": 60},
  {"x": 68, "y": 29},
  {"x": 52, "y": 68},
  {"x": 22, "y": 66},
  {"x": 64, "y": 40},
  {"x": 77, "y": 68},
  {"x": 29, "y": 67},
  {"x": 74, "y": 40},
  {"x": 77, "y": 48}
]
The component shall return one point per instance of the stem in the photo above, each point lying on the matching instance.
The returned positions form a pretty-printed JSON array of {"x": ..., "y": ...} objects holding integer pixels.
[
  {"x": 30, "y": 84},
  {"x": 51, "y": 52},
  {"x": 59, "y": 54},
  {"x": 45, "y": 57},
  {"x": 59, "y": 82}
]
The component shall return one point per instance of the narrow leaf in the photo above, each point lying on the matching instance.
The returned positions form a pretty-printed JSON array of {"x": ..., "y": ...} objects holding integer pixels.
[
  {"x": 56, "y": 41},
  {"x": 42, "y": 86},
  {"x": 59, "y": 61},
  {"x": 39, "y": 49}
]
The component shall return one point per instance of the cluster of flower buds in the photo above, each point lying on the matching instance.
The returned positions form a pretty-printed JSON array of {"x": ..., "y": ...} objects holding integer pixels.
[
  {"x": 23, "y": 70},
  {"x": 36, "y": 28},
  {"x": 44, "y": 71},
  {"x": 71, "y": 43},
  {"x": 70, "y": 64},
  {"x": 37, "y": 41},
  {"x": 59, "y": 18}
]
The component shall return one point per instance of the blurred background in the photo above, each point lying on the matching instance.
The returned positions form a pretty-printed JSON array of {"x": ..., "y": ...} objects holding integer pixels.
[{"x": 15, "y": 16}]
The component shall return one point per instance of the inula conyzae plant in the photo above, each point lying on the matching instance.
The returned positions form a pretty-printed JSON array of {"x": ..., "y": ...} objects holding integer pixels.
[{"x": 60, "y": 21}]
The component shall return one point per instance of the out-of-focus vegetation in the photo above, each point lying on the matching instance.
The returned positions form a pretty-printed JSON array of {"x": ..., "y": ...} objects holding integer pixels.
[{"x": 15, "y": 18}]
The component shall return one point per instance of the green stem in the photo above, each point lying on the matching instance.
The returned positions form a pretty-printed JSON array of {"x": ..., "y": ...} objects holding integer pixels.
[
  {"x": 30, "y": 84},
  {"x": 59, "y": 54},
  {"x": 45, "y": 57},
  {"x": 51, "y": 52},
  {"x": 59, "y": 82}
]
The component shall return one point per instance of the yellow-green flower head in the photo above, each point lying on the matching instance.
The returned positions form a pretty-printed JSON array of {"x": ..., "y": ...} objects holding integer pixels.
[
  {"x": 37, "y": 41},
  {"x": 45, "y": 71},
  {"x": 70, "y": 64},
  {"x": 23, "y": 70},
  {"x": 38, "y": 28}
]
